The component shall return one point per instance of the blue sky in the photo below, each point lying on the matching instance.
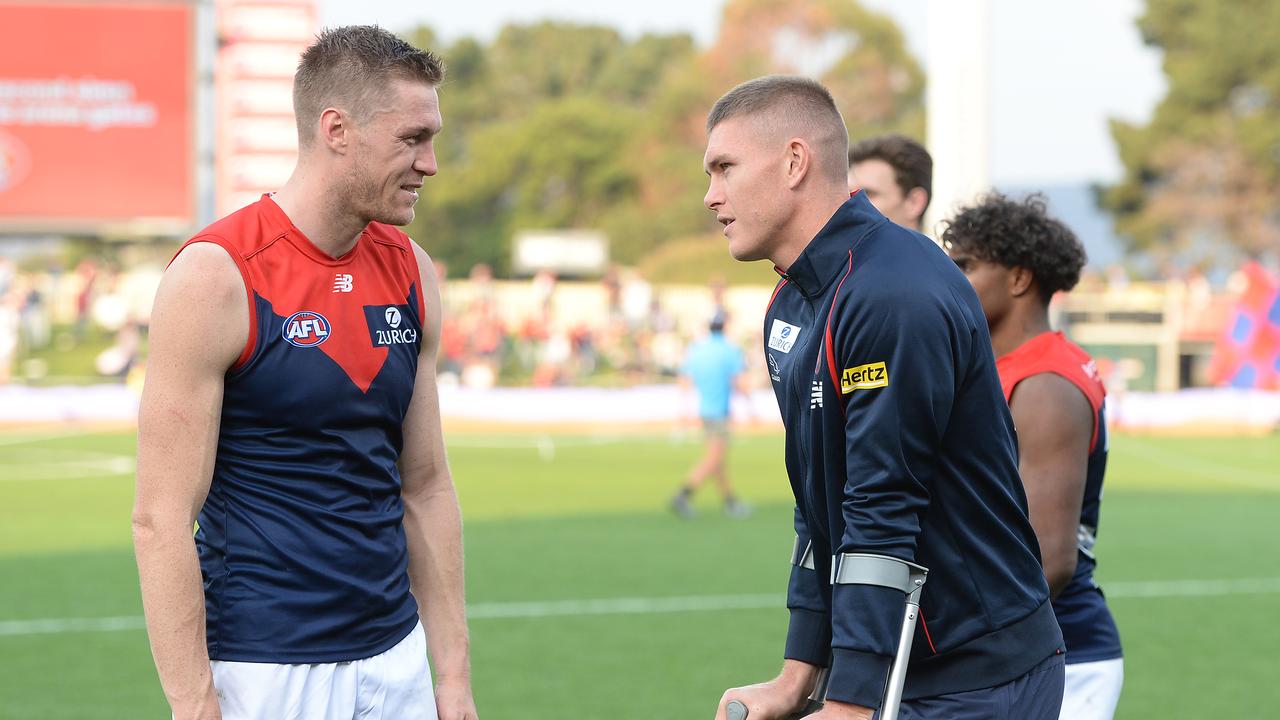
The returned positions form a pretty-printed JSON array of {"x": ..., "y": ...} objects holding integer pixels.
[{"x": 1059, "y": 70}]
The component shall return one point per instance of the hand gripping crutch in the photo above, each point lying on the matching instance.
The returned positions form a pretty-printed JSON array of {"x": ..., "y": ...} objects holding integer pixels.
[
  {"x": 881, "y": 571},
  {"x": 735, "y": 710}
]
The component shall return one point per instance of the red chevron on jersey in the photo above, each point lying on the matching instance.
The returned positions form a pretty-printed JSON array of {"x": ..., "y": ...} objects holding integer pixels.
[{"x": 323, "y": 300}]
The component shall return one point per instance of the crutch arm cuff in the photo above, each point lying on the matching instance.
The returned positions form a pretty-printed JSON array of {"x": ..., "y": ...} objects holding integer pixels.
[
  {"x": 809, "y": 637},
  {"x": 858, "y": 677}
]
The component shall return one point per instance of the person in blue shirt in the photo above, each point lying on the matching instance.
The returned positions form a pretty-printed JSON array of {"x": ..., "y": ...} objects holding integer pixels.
[{"x": 712, "y": 365}]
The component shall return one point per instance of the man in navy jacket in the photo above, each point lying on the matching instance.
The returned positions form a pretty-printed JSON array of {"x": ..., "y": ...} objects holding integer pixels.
[{"x": 899, "y": 444}]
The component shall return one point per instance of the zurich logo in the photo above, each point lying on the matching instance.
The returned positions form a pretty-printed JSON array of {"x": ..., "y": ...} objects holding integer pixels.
[
  {"x": 392, "y": 316},
  {"x": 305, "y": 329}
]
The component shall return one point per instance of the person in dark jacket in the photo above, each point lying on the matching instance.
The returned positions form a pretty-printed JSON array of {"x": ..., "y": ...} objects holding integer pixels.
[{"x": 899, "y": 443}]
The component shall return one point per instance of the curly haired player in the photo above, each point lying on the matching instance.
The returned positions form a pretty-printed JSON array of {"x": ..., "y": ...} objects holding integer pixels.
[{"x": 1018, "y": 257}]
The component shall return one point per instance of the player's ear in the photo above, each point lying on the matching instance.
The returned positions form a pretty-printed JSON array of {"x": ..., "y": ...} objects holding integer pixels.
[
  {"x": 917, "y": 199},
  {"x": 1021, "y": 281},
  {"x": 799, "y": 161},
  {"x": 335, "y": 125}
]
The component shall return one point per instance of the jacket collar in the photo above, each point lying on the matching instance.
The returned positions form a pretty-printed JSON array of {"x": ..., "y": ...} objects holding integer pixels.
[{"x": 828, "y": 252}]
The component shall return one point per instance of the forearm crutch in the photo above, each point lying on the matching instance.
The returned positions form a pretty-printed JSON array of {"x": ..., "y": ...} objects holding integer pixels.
[
  {"x": 889, "y": 572},
  {"x": 880, "y": 571}
]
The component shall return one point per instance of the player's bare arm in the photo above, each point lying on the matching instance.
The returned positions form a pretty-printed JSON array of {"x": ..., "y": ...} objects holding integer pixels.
[
  {"x": 198, "y": 328},
  {"x": 433, "y": 522},
  {"x": 1055, "y": 425}
]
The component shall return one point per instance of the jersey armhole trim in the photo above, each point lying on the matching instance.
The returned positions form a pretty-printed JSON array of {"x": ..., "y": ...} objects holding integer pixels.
[
  {"x": 417, "y": 280},
  {"x": 251, "y": 341}
]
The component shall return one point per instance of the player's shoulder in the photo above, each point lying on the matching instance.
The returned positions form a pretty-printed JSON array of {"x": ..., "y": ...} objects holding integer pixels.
[
  {"x": 894, "y": 261},
  {"x": 900, "y": 274},
  {"x": 1053, "y": 350},
  {"x": 1051, "y": 354},
  {"x": 204, "y": 271},
  {"x": 1054, "y": 394},
  {"x": 247, "y": 230}
]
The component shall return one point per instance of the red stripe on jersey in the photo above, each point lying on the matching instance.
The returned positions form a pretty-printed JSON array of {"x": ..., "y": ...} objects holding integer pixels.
[
  {"x": 774, "y": 295},
  {"x": 927, "y": 636},
  {"x": 831, "y": 355}
]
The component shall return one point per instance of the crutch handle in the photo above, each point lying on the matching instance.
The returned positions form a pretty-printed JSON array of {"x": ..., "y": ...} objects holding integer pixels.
[{"x": 737, "y": 711}]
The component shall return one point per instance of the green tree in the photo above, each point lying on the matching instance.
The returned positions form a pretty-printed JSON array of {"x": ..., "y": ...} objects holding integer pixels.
[
  {"x": 557, "y": 168},
  {"x": 860, "y": 55},
  {"x": 1206, "y": 169},
  {"x": 537, "y": 130},
  {"x": 562, "y": 125}
]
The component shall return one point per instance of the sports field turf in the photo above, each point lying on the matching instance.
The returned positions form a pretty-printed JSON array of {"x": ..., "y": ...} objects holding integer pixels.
[{"x": 590, "y": 601}]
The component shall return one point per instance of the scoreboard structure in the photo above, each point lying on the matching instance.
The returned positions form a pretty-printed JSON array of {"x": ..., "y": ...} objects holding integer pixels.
[{"x": 98, "y": 126}]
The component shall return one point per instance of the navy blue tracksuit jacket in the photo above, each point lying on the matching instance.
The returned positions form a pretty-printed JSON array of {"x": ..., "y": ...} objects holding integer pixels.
[{"x": 899, "y": 442}]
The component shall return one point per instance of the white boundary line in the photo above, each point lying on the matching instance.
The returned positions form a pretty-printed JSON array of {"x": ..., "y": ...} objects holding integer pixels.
[{"x": 658, "y": 605}]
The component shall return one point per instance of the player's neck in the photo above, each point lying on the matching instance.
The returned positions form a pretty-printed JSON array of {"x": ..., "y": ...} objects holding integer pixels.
[
  {"x": 1023, "y": 323},
  {"x": 804, "y": 227},
  {"x": 311, "y": 208}
]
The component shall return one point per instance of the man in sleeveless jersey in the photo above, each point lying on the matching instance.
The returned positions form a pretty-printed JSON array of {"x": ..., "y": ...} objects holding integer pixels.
[
  {"x": 290, "y": 413},
  {"x": 899, "y": 445},
  {"x": 1017, "y": 258}
]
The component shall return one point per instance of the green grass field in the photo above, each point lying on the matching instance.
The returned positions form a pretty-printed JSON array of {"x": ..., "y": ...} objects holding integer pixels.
[{"x": 589, "y": 600}]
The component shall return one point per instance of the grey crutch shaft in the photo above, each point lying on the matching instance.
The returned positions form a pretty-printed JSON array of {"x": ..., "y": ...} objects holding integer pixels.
[{"x": 898, "y": 671}]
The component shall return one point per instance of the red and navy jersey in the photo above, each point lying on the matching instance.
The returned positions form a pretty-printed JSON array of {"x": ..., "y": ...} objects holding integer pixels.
[
  {"x": 301, "y": 542},
  {"x": 1087, "y": 626}
]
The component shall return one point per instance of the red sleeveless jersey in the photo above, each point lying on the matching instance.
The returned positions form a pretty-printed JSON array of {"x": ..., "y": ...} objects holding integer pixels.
[{"x": 301, "y": 541}]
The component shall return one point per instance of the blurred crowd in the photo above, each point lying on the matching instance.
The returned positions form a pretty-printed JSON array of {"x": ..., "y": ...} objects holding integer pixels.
[
  {"x": 620, "y": 330},
  {"x": 88, "y": 321},
  {"x": 47, "y": 315}
]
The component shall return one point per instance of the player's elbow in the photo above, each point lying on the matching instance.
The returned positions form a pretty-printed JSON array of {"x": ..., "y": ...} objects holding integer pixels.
[
  {"x": 1058, "y": 570},
  {"x": 151, "y": 529},
  {"x": 143, "y": 526}
]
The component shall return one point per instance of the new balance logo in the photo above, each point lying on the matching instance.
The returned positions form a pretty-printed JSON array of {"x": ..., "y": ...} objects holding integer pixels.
[
  {"x": 342, "y": 283},
  {"x": 815, "y": 395}
]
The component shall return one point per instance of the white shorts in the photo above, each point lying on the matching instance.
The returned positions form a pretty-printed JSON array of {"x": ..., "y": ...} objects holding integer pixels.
[
  {"x": 1093, "y": 689},
  {"x": 395, "y": 685}
]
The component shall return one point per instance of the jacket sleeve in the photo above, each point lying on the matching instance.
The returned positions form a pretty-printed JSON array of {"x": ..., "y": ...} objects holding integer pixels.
[
  {"x": 896, "y": 365},
  {"x": 809, "y": 631}
]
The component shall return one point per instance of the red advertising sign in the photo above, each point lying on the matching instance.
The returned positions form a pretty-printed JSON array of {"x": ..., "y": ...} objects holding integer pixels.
[{"x": 96, "y": 114}]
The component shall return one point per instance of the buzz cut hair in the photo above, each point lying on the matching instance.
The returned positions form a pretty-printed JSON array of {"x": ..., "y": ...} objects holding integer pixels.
[
  {"x": 791, "y": 103},
  {"x": 352, "y": 67}
]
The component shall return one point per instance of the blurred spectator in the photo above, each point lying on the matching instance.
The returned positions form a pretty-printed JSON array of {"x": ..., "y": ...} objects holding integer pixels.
[
  {"x": 34, "y": 316},
  {"x": 86, "y": 275},
  {"x": 712, "y": 366},
  {"x": 117, "y": 360},
  {"x": 9, "y": 303}
]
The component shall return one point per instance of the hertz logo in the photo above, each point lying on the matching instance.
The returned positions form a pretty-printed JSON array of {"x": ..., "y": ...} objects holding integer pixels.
[{"x": 864, "y": 377}]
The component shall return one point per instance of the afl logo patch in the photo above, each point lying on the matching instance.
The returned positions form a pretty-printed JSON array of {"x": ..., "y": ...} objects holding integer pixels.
[{"x": 305, "y": 329}]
